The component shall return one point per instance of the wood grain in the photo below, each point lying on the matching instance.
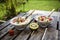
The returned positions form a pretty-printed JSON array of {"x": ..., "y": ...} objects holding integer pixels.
[
  {"x": 23, "y": 35},
  {"x": 37, "y": 35},
  {"x": 59, "y": 23},
  {"x": 51, "y": 34},
  {"x": 8, "y": 37},
  {"x": 54, "y": 22},
  {"x": 59, "y": 35},
  {"x": 2, "y": 26},
  {"x": 5, "y": 30}
]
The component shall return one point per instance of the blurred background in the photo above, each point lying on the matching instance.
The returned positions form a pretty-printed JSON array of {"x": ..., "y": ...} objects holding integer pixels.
[{"x": 11, "y": 8}]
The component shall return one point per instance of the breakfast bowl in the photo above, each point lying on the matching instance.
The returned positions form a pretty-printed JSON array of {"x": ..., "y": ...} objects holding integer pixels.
[
  {"x": 43, "y": 21},
  {"x": 20, "y": 23}
]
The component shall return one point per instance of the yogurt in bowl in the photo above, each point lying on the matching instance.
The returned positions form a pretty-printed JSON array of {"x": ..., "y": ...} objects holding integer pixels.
[
  {"x": 20, "y": 23},
  {"x": 43, "y": 20}
]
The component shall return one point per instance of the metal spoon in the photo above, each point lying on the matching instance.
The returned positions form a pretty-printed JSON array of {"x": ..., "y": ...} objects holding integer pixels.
[{"x": 29, "y": 14}]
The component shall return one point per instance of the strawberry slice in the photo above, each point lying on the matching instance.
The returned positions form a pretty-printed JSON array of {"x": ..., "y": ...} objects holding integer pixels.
[{"x": 50, "y": 19}]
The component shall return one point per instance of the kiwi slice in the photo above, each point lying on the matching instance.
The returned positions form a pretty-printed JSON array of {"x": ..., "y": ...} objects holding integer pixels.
[{"x": 34, "y": 26}]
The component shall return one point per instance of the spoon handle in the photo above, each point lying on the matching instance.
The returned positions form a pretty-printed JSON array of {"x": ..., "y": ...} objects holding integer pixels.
[
  {"x": 51, "y": 13},
  {"x": 29, "y": 14}
]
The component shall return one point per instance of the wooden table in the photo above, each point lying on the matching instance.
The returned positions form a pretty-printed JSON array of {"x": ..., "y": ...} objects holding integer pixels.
[{"x": 27, "y": 34}]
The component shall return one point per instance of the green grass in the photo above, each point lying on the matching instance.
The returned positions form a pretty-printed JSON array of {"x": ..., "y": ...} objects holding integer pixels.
[
  {"x": 42, "y": 5},
  {"x": 44, "y": 0}
]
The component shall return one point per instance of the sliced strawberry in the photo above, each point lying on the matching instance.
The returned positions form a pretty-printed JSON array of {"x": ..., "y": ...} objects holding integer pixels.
[
  {"x": 50, "y": 19},
  {"x": 22, "y": 20}
]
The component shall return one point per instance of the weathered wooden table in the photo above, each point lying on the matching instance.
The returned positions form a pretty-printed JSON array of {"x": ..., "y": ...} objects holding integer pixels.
[{"x": 27, "y": 34}]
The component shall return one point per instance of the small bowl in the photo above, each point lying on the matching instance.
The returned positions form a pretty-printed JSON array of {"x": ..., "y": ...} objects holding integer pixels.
[
  {"x": 43, "y": 23},
  {"x": 22, "y": 25}
]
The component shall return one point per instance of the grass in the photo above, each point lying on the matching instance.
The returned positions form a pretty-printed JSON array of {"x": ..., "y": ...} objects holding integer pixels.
[
  {"x": 33, "y": 4},
  {"x": 42, "y": 5}
]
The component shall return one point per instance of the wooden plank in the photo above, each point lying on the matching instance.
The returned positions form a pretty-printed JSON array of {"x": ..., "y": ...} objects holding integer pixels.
[
  {"x": 8, "y": 37},
  {"x": 59, "y": 35},
  {"x": 37, "y": 35},
  {"x": 51, "y": 34},
  {"x": 46, "y": 13},
  {"x": 59, "y": 23},
  {"x": 23, "y": 35},
  {"x": 5, "y": 30},
  {"x": 29, "y": 13},
  {"x": 2, "y": 26},
  {"x": 54, "y": 22},
  {"x": 44, "y": 33},
  {"x": 21, "y": 14}
]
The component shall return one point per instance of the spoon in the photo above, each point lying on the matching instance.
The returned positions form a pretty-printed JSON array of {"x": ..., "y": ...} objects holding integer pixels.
[
  {"x": 51, "y": 13},
  {"x": 29, "y": 14}
]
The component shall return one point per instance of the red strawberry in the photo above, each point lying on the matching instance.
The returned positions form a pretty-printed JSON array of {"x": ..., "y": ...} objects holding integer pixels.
[
  {"x": 11, "y": 32},
  {"x": 50, "y": 19}
]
